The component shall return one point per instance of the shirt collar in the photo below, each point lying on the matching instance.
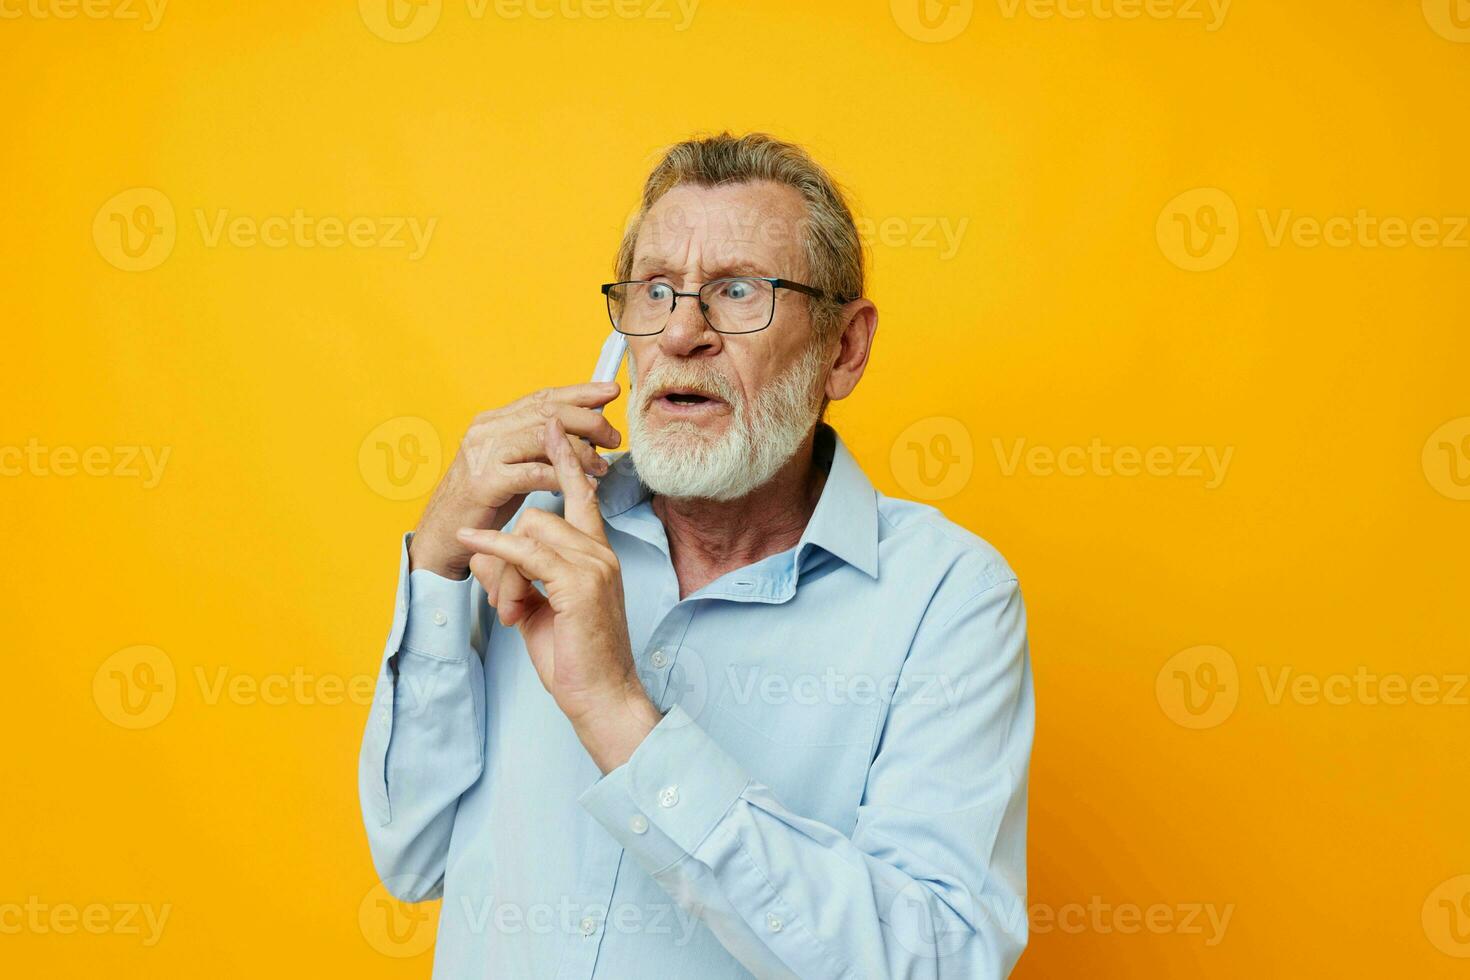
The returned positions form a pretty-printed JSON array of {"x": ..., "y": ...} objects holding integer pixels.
[{"x": 845, "y": 522}]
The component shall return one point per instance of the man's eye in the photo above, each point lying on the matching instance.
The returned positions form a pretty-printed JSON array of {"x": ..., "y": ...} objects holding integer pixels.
[
  {"x": 659, "y": 291},
  {"x": 739, "y": 289}
]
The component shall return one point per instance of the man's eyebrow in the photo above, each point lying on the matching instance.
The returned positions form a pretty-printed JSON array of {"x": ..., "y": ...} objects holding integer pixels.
[{"x": 742, "y": 268}]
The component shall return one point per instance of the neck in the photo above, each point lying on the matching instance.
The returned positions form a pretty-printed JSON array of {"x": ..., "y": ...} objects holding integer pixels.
[{"x": 708, "y": 538}]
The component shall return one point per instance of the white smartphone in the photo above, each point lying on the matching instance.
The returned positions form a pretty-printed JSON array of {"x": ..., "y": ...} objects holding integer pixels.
[
  {"x": 609, "y": 362},
  {"x": 611, "y": 358}
]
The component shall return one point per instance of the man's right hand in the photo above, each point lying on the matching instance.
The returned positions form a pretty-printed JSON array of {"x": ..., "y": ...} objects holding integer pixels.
[{"x": 500, "y": 460}]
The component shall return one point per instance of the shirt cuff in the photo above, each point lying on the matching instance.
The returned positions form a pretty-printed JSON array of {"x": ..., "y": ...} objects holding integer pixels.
[
  {"x": 438, "y": 615},
  {"x": 671, "y": 793}
]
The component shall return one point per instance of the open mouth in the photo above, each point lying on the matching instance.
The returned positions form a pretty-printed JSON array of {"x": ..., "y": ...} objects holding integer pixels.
[{"x": 687, "y": 401}]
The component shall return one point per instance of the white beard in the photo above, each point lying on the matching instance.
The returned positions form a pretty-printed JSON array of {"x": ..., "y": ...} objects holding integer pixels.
[{"x": 680, "y": 459}]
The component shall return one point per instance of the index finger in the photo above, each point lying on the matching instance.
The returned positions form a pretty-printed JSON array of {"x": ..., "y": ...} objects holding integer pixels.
[
  {"x": 579, "y": 491},
  {"x": 588, "y": 394}
]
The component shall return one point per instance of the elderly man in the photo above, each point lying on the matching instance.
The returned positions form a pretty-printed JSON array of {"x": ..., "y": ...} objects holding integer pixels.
[{"x": 712, "y": 707}]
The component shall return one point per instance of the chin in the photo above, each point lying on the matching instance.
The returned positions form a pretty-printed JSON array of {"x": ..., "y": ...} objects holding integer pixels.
[
  {"x": 687, "y": 429},
  {"x": 692, "y": 460}
]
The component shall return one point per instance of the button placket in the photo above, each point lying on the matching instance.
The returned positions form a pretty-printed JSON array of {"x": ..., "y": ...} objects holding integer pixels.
[
  {"x": 595, "y": 888},
  {"x": 663, "y": 647}
]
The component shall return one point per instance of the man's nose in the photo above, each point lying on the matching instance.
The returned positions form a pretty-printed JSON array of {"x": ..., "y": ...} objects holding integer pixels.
[{"x": 688, "y": 333}]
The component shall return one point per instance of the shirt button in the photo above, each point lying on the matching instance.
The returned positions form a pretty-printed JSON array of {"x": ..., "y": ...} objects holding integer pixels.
[
  {"x": 639, "y": 824},
  {"x": 589, "y": 926},
  {"x": 658, "y": 659},
  {"x": 773, "y": 922},
  {"x": 668, "y": 796},
  {"x": 440, "y": 618}
]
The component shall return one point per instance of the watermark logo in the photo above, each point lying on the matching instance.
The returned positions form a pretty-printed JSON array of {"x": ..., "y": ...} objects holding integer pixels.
[
  {"x": 934, "y": 458},
  {"x": 1210, "y": 13},
  {"x": 1446, "y": 459},
  {"x": 1207, "y": 920},
  {"x": 927, "y": 927},
  {"x": 1198, "y": 687},
  {"x": 1446, "y": 917},
  {"x": 136, "y": 229},
  {"x": 942, "y": 692},
  {"x": 730, "y": 228},
  {"x": 679, "y": 13},
  {"x": 149, "y": 13},
  {"x": 1208, "y": 464},
  {"x": 406, "y": 21},
  {"x": 1363, "y": 687},
  {"x": 1199, "y": 230},
  {"x": 567, "y": 917},
  {"x": 138, "y": 688},
  {"x": 39, "y": 918},
  {"x": 400, "y": 21},
  {"x": 1363, "y": 229},
  {"x": 1450, "y": 19},
  {"x": 392, "y": 927},
  {"x": 307, "y": 231},
  {"x": 303, "y": 688},
  {"x": 676, "y": 675},
  {"x": 35, "y": 459},
  {"x": 135, "y": 687},
  {"x": 940, "y": 233},
  {"x": 932, "y": 21},
  {"x": 400, "y": 458}
]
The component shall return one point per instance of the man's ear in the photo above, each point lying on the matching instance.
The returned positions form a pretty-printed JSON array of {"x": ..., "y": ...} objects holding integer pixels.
[{"x": 855, "y": 345}]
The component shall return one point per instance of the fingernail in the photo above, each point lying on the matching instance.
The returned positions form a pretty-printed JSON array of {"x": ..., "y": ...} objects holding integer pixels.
[{"x": 466, "y": 532}]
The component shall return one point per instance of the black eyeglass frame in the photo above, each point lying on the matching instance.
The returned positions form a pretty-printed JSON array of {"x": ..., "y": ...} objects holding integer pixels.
[{"x": 776, "y": 283}]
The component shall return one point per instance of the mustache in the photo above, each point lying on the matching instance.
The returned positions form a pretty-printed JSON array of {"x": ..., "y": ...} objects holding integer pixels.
[{"x": 707, "y": 382}]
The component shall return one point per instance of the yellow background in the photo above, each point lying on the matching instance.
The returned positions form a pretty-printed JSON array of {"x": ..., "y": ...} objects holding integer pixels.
[{"x": 1334, "y": 832}]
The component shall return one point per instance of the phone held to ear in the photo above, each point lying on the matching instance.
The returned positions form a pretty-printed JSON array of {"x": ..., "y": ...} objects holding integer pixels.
[
  {"x": 609, "y": 362},
  {"x": 611, "y": 358}
]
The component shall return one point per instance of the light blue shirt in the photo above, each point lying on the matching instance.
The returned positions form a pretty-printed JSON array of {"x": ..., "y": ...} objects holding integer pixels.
[{"x": 837, "y": 788}]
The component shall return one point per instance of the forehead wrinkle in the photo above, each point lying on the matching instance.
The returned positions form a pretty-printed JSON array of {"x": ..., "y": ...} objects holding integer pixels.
[
  {"x": 731, "y": 234},
  {"x": 714, "y": 268}
]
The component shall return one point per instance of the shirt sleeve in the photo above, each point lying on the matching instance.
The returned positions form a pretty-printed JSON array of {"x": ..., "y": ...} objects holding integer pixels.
[
  {"x": 932, "y": 881},
  {"x": 424, "y": 741}
]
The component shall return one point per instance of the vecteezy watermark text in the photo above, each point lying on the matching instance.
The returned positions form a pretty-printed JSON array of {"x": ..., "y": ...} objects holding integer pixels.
[
  {"x": 1096, "y": 458},
  {"x": 149, "y": 12},
  {"x": 302, "y": 230},
  {"x": 137, "y": 229},
  {"x": 406, "y": 21},
  {"x": 123, "y": 462},
  {"x": 1211, "y": 13},
  {"x": 837, "y": 687},
  {"x": 38, "y": 917}
]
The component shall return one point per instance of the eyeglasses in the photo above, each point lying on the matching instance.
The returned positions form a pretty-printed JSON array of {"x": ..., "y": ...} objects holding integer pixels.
[{"x": 743, "y": 304}]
